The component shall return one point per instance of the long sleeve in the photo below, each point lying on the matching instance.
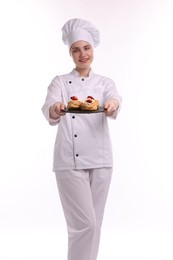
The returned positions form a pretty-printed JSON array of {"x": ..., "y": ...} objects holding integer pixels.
[
  {"x": 53, "y": 95},
  {"x": 112, "y": 93}
]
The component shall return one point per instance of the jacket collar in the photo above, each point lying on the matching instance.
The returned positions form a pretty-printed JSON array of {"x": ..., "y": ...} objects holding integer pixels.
[{"x": 75, "y": 73}]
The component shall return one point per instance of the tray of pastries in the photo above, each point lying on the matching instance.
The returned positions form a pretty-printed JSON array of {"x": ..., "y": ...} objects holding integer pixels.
[{"x": 89, "y": 105}]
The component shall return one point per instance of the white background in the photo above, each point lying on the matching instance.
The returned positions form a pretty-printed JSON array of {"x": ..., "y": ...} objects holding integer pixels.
[{"x": 136, "y": 52}]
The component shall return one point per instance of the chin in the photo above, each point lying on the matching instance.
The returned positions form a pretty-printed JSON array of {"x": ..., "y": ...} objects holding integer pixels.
[{"x": 84, "y": 66}]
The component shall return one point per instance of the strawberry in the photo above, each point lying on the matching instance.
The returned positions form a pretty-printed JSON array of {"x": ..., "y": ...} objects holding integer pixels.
[
  {"x": 89, "y": 101},
  {"x": 74, "y": 98},
  {"x": 90, "y": 97}
]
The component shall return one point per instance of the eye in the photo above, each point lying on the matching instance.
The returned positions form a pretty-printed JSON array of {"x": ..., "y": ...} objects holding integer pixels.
[
  {"x": 75, "y": 50},
  {"x": 87, "y": 47}
]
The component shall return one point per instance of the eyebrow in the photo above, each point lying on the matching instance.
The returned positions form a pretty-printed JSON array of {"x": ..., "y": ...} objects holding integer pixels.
[{"x": 75, "y": 47}]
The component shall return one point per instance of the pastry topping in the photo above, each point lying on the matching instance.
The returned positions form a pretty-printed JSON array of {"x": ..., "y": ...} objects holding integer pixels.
[
  {"x": 74, "y": 98},
  {"x": 89, "y": 101},
  {"x": 90, "y": 97}
]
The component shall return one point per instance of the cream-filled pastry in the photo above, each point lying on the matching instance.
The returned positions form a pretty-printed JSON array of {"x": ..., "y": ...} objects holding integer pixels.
[
  {"x": 74, "y": 103},
  {"x": 90, "y": 104}
]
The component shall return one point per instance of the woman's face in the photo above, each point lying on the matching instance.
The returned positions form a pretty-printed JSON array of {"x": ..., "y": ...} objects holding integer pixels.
[{"x": 82, "y": 54}]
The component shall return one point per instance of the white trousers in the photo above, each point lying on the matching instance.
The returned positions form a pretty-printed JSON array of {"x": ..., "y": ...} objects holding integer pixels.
[{"x": 83, "y": 195}]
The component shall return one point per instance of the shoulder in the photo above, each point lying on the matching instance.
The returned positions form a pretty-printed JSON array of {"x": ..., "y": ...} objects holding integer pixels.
[
  {"x": 61, "y": 77},
  {"x": 103, "y": 78}
]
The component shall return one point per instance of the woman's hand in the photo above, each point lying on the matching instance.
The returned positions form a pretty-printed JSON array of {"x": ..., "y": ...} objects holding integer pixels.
[
  {"x": 56, "y": 110},
  {"x": 111, "y": 106}
]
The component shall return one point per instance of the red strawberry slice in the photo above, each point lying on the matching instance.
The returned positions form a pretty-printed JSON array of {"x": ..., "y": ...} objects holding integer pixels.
[
  {"x": 90, "y": 97},
  {"x": 74, "y": 98},
  {"x": 89, "y": 101}
]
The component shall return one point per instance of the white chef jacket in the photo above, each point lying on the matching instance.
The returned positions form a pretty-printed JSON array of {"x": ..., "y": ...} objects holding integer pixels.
[{"x": 82, "y": 140}]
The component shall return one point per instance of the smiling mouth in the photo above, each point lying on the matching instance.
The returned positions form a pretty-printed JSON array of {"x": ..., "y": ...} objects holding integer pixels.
[{"x": 84, "y": 60}]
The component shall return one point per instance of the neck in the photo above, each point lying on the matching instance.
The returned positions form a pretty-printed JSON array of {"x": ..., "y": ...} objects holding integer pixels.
[{"x": 83, "y": 72}]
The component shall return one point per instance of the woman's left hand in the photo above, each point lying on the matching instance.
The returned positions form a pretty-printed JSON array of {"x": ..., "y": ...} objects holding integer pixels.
[{"x": 111, "y": 106}]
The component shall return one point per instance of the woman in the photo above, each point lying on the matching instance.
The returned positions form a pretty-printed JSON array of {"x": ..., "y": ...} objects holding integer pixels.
[{"x": 83, "y": 162}]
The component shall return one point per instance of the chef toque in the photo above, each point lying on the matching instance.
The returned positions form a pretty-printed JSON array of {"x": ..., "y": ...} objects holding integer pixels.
[{"x": 80, "y": 30}]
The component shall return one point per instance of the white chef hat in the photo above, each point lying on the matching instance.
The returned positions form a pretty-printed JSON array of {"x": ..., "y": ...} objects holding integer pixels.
[{"x": 80, "y": 30}]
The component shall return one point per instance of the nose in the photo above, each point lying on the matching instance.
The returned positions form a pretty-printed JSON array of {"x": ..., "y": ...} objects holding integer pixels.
[{"x": 82, "y": 53}]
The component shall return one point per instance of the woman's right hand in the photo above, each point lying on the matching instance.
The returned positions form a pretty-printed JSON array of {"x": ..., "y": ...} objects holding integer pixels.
[{"x": 56, "y": 110}]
